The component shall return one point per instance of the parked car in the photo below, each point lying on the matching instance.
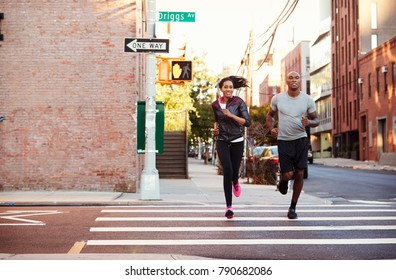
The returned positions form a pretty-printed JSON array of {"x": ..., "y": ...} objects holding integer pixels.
[
  {"x": 271, "y": 153},
  {"x": 265, "y": 153},
  {"x": 310, "y": 155}
]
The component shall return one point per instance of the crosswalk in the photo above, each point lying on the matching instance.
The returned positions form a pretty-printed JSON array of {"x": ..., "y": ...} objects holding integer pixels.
[{"x": 183, "y": 226}]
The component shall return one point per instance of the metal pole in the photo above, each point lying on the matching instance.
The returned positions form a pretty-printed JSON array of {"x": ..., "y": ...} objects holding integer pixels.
[{"x": 149, "y": 184}]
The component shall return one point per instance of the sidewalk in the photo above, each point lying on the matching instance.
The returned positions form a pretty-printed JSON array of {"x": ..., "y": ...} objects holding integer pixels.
[
  {"x": 355, "y": 164},
  {"x": 203, "y": 187}
]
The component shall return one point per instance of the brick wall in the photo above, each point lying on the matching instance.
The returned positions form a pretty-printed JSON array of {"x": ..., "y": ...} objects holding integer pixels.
[
  {"x": 378, "y": 108},
  {"x": 68, "y": 93}
]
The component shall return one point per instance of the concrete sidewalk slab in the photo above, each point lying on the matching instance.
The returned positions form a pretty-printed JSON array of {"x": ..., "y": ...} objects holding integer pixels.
[{"x": 203, "y": 187}]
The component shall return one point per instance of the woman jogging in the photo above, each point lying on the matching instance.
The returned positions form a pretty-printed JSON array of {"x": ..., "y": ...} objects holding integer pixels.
[{"x": 231, "y": 116}]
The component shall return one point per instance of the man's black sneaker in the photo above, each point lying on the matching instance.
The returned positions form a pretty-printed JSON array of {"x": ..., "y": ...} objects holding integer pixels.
[
  {"x": 283, "y": 186},
  {"x": 292, "y": 214}
]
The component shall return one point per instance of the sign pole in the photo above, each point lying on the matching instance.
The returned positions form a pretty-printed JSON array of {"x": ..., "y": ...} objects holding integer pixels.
[{"x": 149, "y": 184}]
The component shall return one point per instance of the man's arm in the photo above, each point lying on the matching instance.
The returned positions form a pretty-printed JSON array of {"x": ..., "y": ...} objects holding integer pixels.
[
  {"x": 312, "y": 120},
  {"x": 269, "y": 121}
]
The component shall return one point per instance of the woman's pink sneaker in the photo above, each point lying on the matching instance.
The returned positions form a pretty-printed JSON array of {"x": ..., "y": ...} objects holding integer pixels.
[
  {"x": 229, "y": 213},
  {"x": 237, "y": 189}
]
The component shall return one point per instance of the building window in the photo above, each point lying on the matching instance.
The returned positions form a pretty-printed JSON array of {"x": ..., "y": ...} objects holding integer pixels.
[
  {"x": 354, "y": 81},
  {"x": 355, "y": 51},
  {"x": 349, "y": 21},
  {"x": 386, "y": 82},
  {"x": 374, "y": 21},
  {"x": 349, "y": 80},
  {"x": 378, "y": 80},
  {"x": 342, "y": 29},
  {"x": 346, "y": 26},
  {"x": 354, "y": 109},
  {"x": 349, "y": 53},
  {"x": 308, "y": 87},
  {"x": 374, "y": 41},
  {"x": 342, "y": 56},
  {"x": 349, "y": 116},
  {"x": 369, "y": 85},
  {"x": 361, "y": 90},
  {"x": 363, "y": 124}
]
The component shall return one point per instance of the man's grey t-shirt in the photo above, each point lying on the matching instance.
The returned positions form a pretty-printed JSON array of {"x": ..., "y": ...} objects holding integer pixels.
[{"x": 290, "y": 111}]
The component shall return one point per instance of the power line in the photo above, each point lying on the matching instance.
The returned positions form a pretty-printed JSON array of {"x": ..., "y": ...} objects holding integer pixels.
[
  {"x": 272, "y": 37},
  {"x": 283, "y": 16}
]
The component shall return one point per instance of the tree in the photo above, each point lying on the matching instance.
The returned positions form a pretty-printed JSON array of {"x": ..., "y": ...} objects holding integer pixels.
[
  {"x": 177, "y": 102},
  {"x": 203, "y": 93},
  {"x": 258, "y": 130}
]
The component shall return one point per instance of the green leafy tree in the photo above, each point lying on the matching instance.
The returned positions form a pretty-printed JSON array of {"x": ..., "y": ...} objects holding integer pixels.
[
  {"x": 177, "y": 102},
  {"x": 259, "y": 131},
  {"x": 203, "y": 94}
]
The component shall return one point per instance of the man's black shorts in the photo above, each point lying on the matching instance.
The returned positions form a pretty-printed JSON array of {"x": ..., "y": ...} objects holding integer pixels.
[{"x": 293, "y": 154}]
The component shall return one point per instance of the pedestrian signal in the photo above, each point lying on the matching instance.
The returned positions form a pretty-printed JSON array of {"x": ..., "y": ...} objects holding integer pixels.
[{"x": 181, "y": 70}]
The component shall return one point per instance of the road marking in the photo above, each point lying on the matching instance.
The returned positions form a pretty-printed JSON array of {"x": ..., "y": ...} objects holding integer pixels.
[
  {"x": 77, "y": 247},
  {"x": 236, "y": 219},
  {"x": 16, "y": 215},
  {"x": 190, "y": 242},
  {"x": 212, "y": 229},
  {"x": 373, "y": 202},
  {"x": 248, "y": 206},
  {"x": 25, "y": 224},
  {"x": 243, "y": 210}
]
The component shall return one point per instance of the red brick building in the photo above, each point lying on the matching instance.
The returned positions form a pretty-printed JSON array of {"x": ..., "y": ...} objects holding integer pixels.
[
  {"x": 377, "y": 115},
  {"x": 68, "y": 93},
  {"x": 357, "y": 28},
  {"x": 345, "y": 46},
  {"x": 298, "y": 60}
]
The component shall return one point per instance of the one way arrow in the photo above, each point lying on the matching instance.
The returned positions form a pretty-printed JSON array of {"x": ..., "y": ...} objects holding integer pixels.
[{"x": 146, "y": 45}]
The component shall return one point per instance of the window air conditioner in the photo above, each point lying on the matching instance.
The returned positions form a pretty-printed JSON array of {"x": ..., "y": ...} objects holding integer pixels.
[
  {"x": 360, "y": 80},
  {"x": 384, "y": 69}
]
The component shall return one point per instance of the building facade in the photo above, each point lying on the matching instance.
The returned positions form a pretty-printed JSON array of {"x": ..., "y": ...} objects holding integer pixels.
[
  {"x": 68, "y": 94},
  {"x": 357, "y": 27},
  {"x": 377, "y": 84},
  {"x": 321, "y": 90},
  {"x": 298, "y": 60}
]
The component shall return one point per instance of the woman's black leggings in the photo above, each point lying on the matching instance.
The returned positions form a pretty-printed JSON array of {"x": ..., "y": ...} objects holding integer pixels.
[{"x": 230, "y": 156}]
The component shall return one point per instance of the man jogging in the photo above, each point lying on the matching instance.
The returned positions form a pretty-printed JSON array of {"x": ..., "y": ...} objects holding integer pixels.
[{"x": 296, "y": 110}]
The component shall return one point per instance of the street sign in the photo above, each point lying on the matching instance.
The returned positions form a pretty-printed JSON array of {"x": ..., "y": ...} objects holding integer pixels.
[
  {"x": 138, "y": 45},
  {"x": 181, "y": 70},
  {"x": 176, "y": 17}
]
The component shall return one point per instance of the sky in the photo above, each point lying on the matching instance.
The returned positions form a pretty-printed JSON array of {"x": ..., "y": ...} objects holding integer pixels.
[{"x": 221, "y": 28}]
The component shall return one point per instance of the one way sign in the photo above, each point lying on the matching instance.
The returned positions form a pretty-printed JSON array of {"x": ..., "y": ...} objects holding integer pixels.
[{"x": 138, "y": 45}]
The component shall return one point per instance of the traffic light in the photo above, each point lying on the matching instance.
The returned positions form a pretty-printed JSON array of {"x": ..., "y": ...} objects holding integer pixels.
[{"x": 181, "y": 70}]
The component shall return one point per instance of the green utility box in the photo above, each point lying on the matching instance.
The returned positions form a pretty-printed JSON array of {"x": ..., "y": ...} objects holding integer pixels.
[{"x": 159, "y": 127}]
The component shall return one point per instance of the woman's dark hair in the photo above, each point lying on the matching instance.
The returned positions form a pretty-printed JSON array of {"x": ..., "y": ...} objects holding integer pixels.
[{"x": 237, "y": 81}]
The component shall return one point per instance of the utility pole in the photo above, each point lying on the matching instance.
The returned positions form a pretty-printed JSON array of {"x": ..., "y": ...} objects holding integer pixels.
[
  {"x": 149, "y": 183},
  {"x": 249, "y": 92},
  {"x": 249, "y": 65}
]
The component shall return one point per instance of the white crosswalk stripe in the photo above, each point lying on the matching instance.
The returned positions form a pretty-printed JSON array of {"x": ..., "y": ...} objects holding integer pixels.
[
  {"x": 239, "y": 219},
  {"x": 370, "y": 224},
  {"x": 250, "y": 228},
  {"x": 242, "y": 242}
]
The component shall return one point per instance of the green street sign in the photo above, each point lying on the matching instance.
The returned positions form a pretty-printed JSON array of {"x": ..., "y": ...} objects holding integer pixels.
[{"x": 176, "y": 17}]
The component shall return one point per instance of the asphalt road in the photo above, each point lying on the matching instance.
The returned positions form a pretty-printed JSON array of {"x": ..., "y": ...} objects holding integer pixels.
[
  {"x": 324, "y": 232},
  {"x": 359, "y": 225},
  {"x": 349, "y": 184}
]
